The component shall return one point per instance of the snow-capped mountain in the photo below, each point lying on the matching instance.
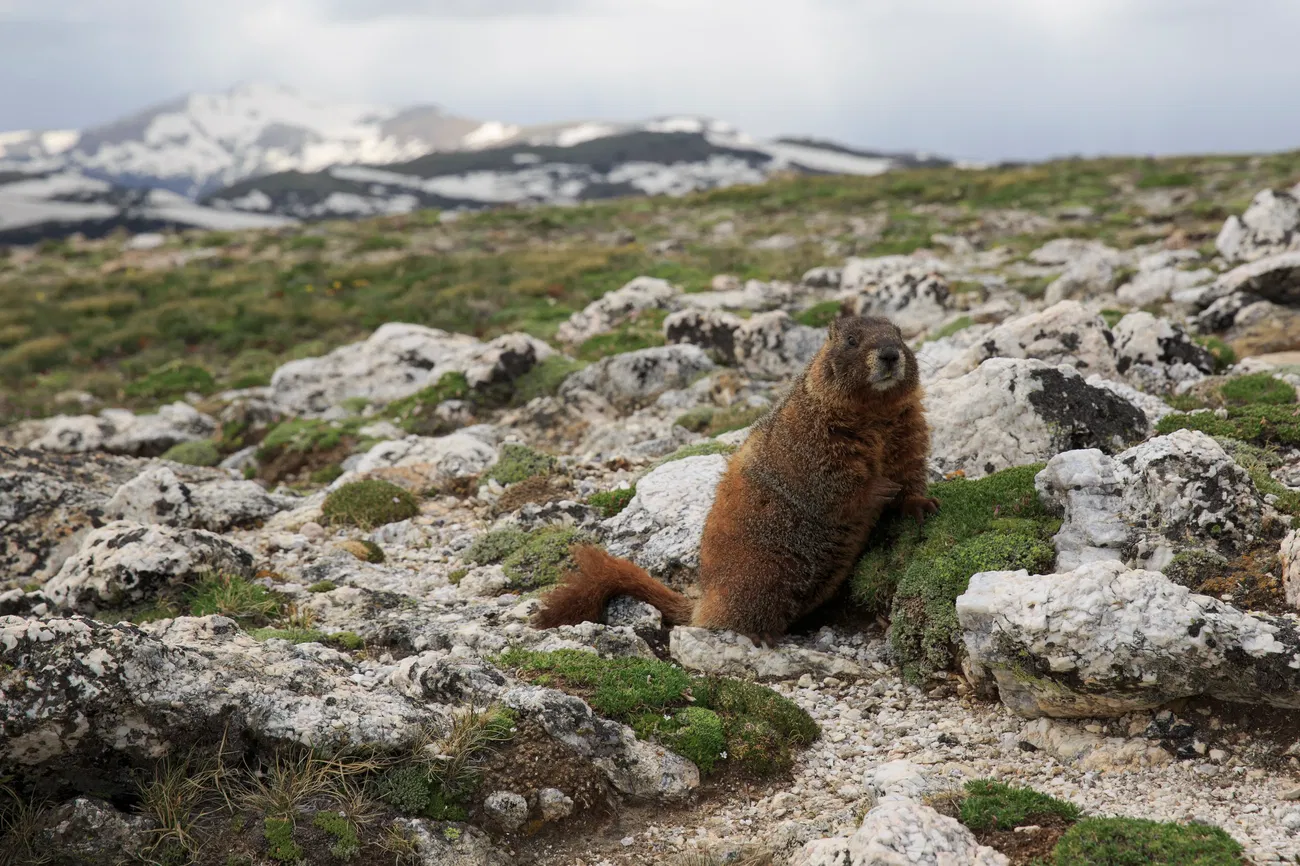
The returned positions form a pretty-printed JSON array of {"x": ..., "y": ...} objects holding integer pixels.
[{"x": 263, "y": 155}]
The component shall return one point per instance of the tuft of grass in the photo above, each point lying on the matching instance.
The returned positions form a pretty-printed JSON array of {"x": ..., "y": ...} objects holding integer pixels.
[
  {"x": 544, "y": 379},
  {"x": 233, "y": 596},
  {"x": 699, "y": 449},
  {"x": 959, "y": 324},
  {"x": 363, "y": 549},
  {"x": 1262, "y": 389},
  {"x": 543, "y": 558},
  {"x": 643, "y": 331},
  {"x": 175, "y": 796},
  {"x": 1259, "y": 463},
  {"x": 990, "y": 805},
  {"x": 993, "y": 524},
  {"x": 20, "y": 824},
  {"x": 369, "y": 503},
  {"x": 292, "y": 635},
  {"x": 612, "y": 502},
  {"x": 326, "y": 474},
  {"x": 759, "y": 728},
  {"x": 202, "y": 452},
  {"x": 456, "y": 576},
  {"x": 819, "y": 315},
  {"x": 171, "y": 381},
  {"x": 494, "y": 546},
  {"x": 1112, "y": 317},
  {"x": 1138, "y": 842},
  {"x": 519, "y": 463},
  {"x": 1224, "y": 355},
  {"x": 1263, "y": 424},
  {"x": 715, "y": 422}
]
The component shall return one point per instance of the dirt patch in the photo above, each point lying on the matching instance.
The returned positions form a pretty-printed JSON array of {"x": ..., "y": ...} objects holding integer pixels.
[
  {"x": 1253, "y": 580},
  {"x": 538, "y": 489},
  {"x": 533, "y": 761},
  {"x": 296, "y": 467},
  {"x": 1256, "y": 735},
  {"x": 1024, "y": 848}
]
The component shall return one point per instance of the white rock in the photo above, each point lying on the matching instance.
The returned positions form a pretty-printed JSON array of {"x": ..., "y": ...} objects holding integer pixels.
[
  {"x": 634, "y": 379},
  {"x": 554, "y": 804},
  {"x": 455, "y": 455},
  {"x": 1066, "y": 333},
  {"x": 1150, "y": 405},
  {"x": 1290, "y": 559},
  {"x": 901, "y": 832},
  {"x": 616, "y": 307},
  {"x": 1086, "y": 277},
  {"x": 774, "y": 346},
  {"x": 121, "y": 432},
  {"x": 486, "y": 581},
  {"x": 914, "y": 301},
  {"x": 1063, "y": 251},
  {"x": 711, "y": 330},
  {"x": 1104, "y": 640},
  {"x": 660, "y": 529},
  {"x": 1010, "y": 412},
  {"x": 1085, "y": 487},
  {"x": 506, "y": 809},
  {"x": 157, "y": 495},
  {"x": 1156, "y": 355},
  {"x": 1157, "y": 285},
  {"x": 725, "y": 653},
  {"x": 1271, "y": 225},
  {"x": 857, "y": 273}
]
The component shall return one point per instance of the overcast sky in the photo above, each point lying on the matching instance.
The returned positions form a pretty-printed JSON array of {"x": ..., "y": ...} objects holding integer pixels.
[{"x": 982, "y": 79}]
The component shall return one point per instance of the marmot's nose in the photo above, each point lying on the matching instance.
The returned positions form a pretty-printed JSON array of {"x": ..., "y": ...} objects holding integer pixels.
[{"x": 888, "y": 355}]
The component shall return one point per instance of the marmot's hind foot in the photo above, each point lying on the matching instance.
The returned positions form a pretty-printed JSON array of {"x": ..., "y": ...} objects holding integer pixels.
[{"x": 920, "y": 507}]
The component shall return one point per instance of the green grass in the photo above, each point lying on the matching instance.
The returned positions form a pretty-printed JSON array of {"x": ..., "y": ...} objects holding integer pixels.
[
  {"x": 643, "y": 331},
  {"x": 959, "y": 324},
  {"x": 819, "y": 315},
  {"x": 307, "y": 436},
  {"x": 714, "y": 422},
  {"x": 710, "y": 719},
  {"x": 233, "y": 596},
  {"x": 202, "y": 452},
  {"x": 517, "y": 463},
  {"x": 1264, "y": 424},
  {"x": 369, "y": 503},
  {"x": 699, "y": 449},
  {"x": 172, "y": 381},
  {"x": 544, "y": 379},
  {"x": 611, "y": 502},
  {"x": 1259, "y": 463},
  {"x": 543, "y": 557},
  {"x": 1137, "y": 842},
  {"x": 990, "y": 805},
  {"x": 1257, "y": 389},
  {"x": 992, "y": 524}
]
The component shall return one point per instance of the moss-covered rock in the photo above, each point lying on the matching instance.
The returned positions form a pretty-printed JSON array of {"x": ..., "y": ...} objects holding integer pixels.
[
  {"x": 993, "y": 524},
  {"x": 1137, "y": 842},
  {"x": 543, "y": 558},
  {"x": 708, "y": 719},
  {"x": 1191, "y": 568},
  {"x": 517, "y": 463},
  {"x": 369, "y": 503},
  {"x": 202, "y": 452}
]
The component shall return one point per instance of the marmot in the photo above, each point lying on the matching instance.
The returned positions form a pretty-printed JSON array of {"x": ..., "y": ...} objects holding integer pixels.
[{"x": 795, "y": 506}]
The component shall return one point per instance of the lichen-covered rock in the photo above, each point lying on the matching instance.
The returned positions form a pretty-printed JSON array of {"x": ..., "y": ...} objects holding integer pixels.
[
  {"x": 1157, "y": 355},
  {"x": 616, "y": 307},
  {"x": 1289, "y": 557},
  {"x": 1011, "y": 412},
  {"x": 80, "y": 699},
  {"x": 914, "y": 301},
  {"x": 1149, "y": 404},
  {"x": 752, "y": 295},
  {"x": 1063, "y": 251},
  {"x": 1088, "y": 276},
  {"x": 729, "y": 654},
  {"x": 1104, "y": 640},
  {"x": 711, "y": 330},
  {"x": 433, "y": 459},
  {"x": 157, "y": 495},
  {"x": 634, "y": 379},
  {"x": 1159, "y": 277},
  {"x": 48, "y": 502},
  {"x": 89, "y": 832},
  {"x": 858, "y": 273},
  {"x": 1066, "y": 333},
  {"x": 774, "y": 346},
  {"x": 1091, "y": 752},
  {"x": 661, "y": 527},
  {"x": 125, "y": 563},
  {"x": 901, "y": 832},
  {"x": 506, "y": 809},
  {"x": 1144, "y": 505},
  {"x": 441, "y": 844},
  {"x": 396, "y": 361},
  {"x": 1271, "y": 225},
  {"x": 554, "y": 804},
  {"x": 119, "y": 431}
]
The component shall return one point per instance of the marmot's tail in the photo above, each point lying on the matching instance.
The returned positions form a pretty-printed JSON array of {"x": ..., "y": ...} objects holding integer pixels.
[{"x": 581, "y": 596}]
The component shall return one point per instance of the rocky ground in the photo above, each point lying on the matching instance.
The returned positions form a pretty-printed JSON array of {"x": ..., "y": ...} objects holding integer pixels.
[{"x": 289, "y": 622}]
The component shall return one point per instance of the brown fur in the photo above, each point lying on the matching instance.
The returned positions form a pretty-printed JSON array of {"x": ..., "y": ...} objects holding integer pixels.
[{"x": 798, "y": 500}]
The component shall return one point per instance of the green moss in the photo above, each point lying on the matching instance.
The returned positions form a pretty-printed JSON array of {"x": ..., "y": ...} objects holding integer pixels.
[
  {"x": 1138, "y": 842},
  {"x": 1257, "y": 388},
  {"x": 699, "y": 449},
  {"x": 346, "y": 640},
  {"x": 278, "y": 833},
  {"x": 171, "y": 381},
  {"x": 696, "y": 420},
  {"x": 494, "y": 546},
  {"x": 759, "y": 729},
  {"x": 644, "y": 331},
  {"x": 992, "y": 524},
  {"x": 326, "y": 474},
  {"x": 819, "y": 315},
  {"x": 1258, "y": 425},
  {"x": 1191, "y": 568},
  {"x": 544, "y": 379},
  {"x": 374, "y": 553},
  {"x": 347, "y": 844},
  {"x": 959, "y": 324},
  {"x": 519, "y": 462},
  {"x": 415, "y": 414},
  {"x": 990, "y": 805},
  {"x": 1259, "y": 463},
  {"x": 1224, "y": 355},
  {"x": 232, "y": 596},
  {"x": 202, "y": 452},
  {"x": 611, "y": 502},
  {"x": 455, "y": 577},
  {"x": 413, "y": 790},
  {"x": 543, "y": 558},
  {"x": 292, "y": 635},
  {"x": 307, "y": 436},
  {"x": 715, "y": 422},
  {"x": 369, "y": 503},
  {"x": 323, "y": 586}
]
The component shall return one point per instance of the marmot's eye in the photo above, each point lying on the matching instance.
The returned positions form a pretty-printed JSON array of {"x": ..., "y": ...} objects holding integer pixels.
[{"x": 852, "y": 341}]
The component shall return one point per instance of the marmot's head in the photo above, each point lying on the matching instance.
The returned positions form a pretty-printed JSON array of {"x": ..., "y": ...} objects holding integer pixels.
[{"x": 866, "y": 355}]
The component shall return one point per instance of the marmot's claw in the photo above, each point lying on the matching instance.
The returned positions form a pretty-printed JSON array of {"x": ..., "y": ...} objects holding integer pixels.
[{"x": 920, "y": 507}]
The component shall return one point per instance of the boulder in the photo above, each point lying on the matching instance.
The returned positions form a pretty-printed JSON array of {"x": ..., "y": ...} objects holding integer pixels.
[
  {"x": 433, "y": 459},
  {"x": 1159, "y": 277},
  {"x": 87, "y": 831},
  {"x": 1104, "y": 640},
  {"x": 1010, "y": 412},
  {"x": 823, "y": 278},
  {"x": 1274, "y": 278},
  {"x": 711, "y": 330},
  {"x": 1271, "y": 225},
  {"x": 48, "y": 502},
  {"x": 119, "y": 431},
  {"x": 858, "y": 273},
  {"x": 634, "y": 379},
  {"x": 158, "y": 495},
  {"x": 660, "y": 529},
  {"x": 752, "y": 295},
  {"x": 1088, "y": 276},
  {"x": 614, "y": 308},
  {"x": 126, "y": 563},
  {"x": 774, "y": 346},
  {"x": 436, "y": 845},
  {"x": 1063, "y": 251},
  {"x": 914, "y": 301},
  {"x": 901, "y": 831},
  {"x": 1156, "y": 355},
  {"x": 506, "y": 809},
  {"x": 1145, "y": 505},
  {"x": 1066, "y": 333},
  {"x": 396, "y": 361}
]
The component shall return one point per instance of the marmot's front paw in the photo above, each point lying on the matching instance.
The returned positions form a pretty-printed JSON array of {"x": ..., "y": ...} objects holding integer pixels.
[{"x": 920, "y": 507}]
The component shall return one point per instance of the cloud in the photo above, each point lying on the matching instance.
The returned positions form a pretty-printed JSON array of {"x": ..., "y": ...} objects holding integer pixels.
[{"x": 994, "y": 79}]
